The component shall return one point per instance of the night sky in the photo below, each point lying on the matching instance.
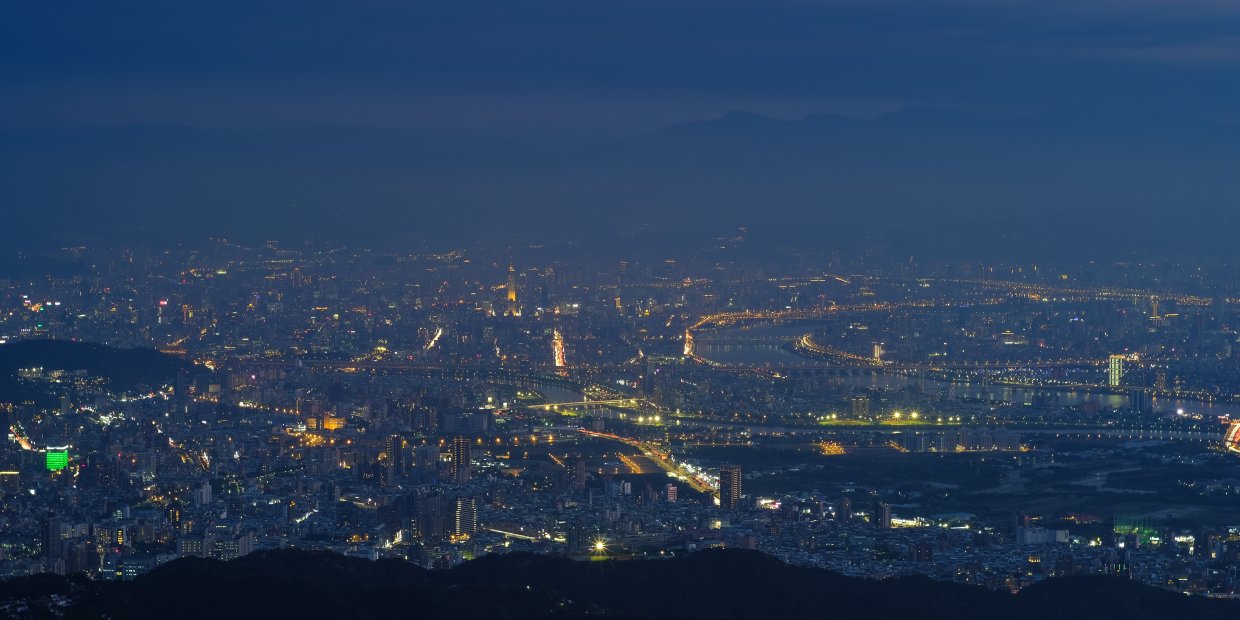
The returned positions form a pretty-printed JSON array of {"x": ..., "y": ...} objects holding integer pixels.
[{"x": 1083, "y": 120}]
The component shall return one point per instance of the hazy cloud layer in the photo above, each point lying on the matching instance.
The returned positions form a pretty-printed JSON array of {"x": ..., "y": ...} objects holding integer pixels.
[
  {"x": 1070, "y": 124},
  {"x": 462, "y": 62}
]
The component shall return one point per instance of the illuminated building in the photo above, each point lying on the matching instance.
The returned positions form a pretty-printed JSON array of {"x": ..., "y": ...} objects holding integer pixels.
[
  {"x": 10, "y": 480},
  {"x": 671, "y": 492},
  {"x": 1116, "y": 370},
  {"x": 577, "y": 537},
  {"x": 1232, "y": 438},
  {"x": 460, "y": 460},
  {"x": 231, "y": 548},
  {"x": 513, "y": 309},
  {"x": 1034, "y": 535},
  {"x": 395, "y": 451},
  {"x": 429, "y": 515},
  {"x": 464, "y": 516},
  {"x": 57, "y": 459},
  {"x": 557, "y": 349},
  {"x": 730, "y": 487},
  {"x": 861, "y": 406},
  {"x": 882, "y": 515}
]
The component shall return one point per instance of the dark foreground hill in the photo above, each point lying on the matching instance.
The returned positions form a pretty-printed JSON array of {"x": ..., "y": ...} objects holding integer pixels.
[
  {"x": 124, "y": 369},
  {"x": 709, "y": 584}
]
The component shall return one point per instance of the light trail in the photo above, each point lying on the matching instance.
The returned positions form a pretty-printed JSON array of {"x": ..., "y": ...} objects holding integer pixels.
[
  {"x": 628, "y": 461},
  {"x": 660, "y": 458},
  {"x": 621, "y": 402},
  {"x": 434, "y": 339}
]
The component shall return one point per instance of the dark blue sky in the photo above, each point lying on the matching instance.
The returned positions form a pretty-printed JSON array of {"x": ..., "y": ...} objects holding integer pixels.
[
  {"x": 311, "y": 117},
  {"x": 591, "y": 65}
]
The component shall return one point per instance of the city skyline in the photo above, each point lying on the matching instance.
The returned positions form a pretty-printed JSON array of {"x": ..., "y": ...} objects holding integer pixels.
[{"x": 478, "y": 309}]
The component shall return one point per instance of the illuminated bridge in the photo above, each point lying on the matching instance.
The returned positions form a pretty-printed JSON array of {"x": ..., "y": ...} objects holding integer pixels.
[
  {"x": 806, "y": 345},
  {"x": 617, "y": 402}
]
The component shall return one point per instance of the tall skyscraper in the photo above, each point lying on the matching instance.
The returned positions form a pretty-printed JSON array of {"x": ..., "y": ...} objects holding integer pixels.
[
  {"x": 843, "y": 510},
  {"x": 514, "y": 308},
  {"x": 730, "y": 487},
  {"x": 579, "y": 473},
  {"x": 1116, "y": 370},
  {"x": 861, "y": 406},
  {"x": 52, "y": 537},
  {"x": 578, "y": 537},
  {"x": 464, "y": 515},
  {"x": 882, "y": 515},
  {"x": 460, "y": 460},
  {"x": 429, "y": 515},
  {"x": 426, "y": 463},
  {"x": 396, "y": 461}
]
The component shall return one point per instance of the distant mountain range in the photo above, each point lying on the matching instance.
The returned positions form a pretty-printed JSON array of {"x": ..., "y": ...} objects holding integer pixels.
[
  {"x": 933, "y": 180},
  {"x": 709, "y": 584}
]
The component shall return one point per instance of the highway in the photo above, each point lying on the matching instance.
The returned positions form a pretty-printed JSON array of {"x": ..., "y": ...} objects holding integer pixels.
[{"x": 660, "y": 458}]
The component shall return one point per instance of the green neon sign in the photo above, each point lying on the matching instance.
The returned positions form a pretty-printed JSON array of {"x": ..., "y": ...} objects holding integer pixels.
[{"x": 57, "y": 460}]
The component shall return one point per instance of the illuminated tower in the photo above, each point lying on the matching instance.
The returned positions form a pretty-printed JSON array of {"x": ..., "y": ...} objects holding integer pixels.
[
  {"x": 395, "y": 450},
  {"x": 557, "y": 349},
  {"x": 513, "y": 308},
  {"x": 460, "y": 460},
  {"x": 1116, "y": 370},
  {"x": 730, "y": 487},
  {"x": 464, "y": 516}
]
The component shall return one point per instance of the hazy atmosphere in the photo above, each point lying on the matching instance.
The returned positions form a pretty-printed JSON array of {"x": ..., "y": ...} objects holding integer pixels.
[
  {"x": 554, "y": 309},
  {"x": 1064, "y": 121}
]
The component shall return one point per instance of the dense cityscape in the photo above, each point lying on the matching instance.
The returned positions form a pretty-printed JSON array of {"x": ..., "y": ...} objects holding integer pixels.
[
  {"x": 479, "y": 309},
  {"x": 991, "y": 424}
]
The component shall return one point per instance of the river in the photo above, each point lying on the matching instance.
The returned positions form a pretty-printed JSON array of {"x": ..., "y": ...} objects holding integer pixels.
[{"x": 776, "y": 353}]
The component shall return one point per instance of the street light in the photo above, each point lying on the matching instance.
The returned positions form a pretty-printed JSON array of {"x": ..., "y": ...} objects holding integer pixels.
[{"x": 599, "y": 547}]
